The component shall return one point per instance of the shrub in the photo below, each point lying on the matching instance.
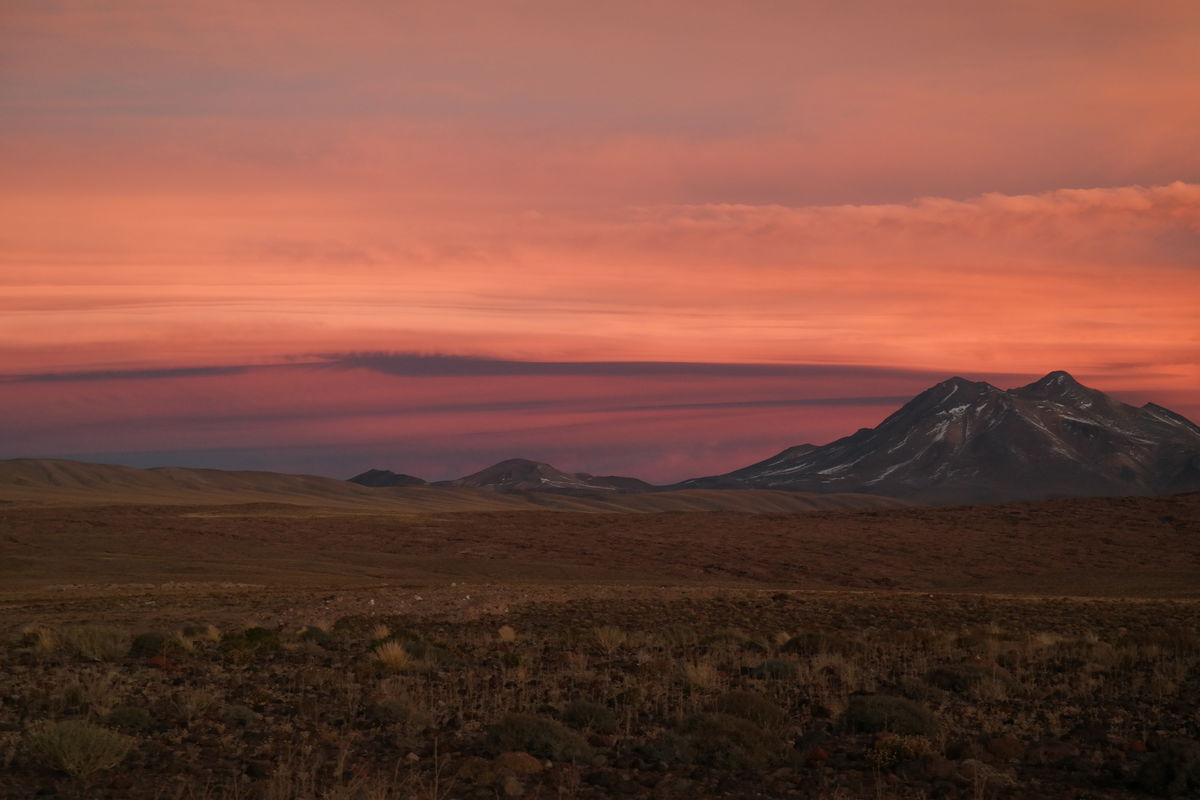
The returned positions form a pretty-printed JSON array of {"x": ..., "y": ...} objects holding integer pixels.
[
  {"x": 392, "y": 656},
  {"x": 875, "y": 713},
  {"x": 538, "y": 736},
  {"x": 733, "y": 636},
  {"x": 805, "y": 644},
  {"x": 423, "y": 650},
  {"x": 391, "y": 711},
  {"x": 812, "y": 643},
  {"x": 149, "y": 645},
  {"x": 192, "y": 702},
  {"x": 207, "y": 633},
  {"x": 95, "y": 642},
  {"x": 400, "y": 713},
  {"x": 317, "y": 635},
  {"x": 39, "y": 638},
  {"x": 679, "y": 635},
  {"x": 673, "y": 748},
  {"x": 78, "y": 748},
  {"x": 752, "y": 706},
  {"x": 240, "y": 715},
  {"x": 754, "y": 646},
  {"x": 609, "y": 637},
  {"x": 775, "y": 669},
  {"x": 580, "y": 714},
  {"x": 131, "y": 718},
  {"x": 98, "y": 690},
  {"x": 728, "y": 742},
  {"x": 701, "y": 675},
  {"x": 264, "y": 639},
  {"x": 919, "y": 690},
  {"x": 890, "y": 750},
  {"x": 250, "y": 642},
  {"x": 961, "y": 678}
]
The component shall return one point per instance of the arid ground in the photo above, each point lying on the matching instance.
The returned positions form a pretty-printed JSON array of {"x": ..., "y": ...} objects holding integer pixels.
[{"x": 273, "y": 650}]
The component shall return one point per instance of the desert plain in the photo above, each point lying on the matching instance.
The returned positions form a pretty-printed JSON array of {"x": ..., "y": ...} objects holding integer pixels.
[{"x": 448, "y": 643}]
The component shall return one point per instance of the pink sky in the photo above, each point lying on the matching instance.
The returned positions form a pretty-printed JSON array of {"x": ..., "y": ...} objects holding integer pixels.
[{"x": 208, "y": 206}]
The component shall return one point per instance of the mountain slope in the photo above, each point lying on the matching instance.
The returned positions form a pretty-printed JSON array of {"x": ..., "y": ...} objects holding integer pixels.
[{"x": 963, "y": 441}]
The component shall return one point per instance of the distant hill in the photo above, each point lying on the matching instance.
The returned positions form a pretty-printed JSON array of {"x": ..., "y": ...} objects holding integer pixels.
[
  {"x": 378, "y": 478},
  {"x": 523, "y": 475},
  {"x": 964, "y": 441},
  {"x": 62, "y": 482}
]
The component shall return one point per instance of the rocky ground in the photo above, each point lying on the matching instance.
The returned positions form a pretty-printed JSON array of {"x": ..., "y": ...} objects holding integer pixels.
[{"x": 655, "y": 693}]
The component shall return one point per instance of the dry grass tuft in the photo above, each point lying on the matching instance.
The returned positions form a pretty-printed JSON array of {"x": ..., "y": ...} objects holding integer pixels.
[
  {"x": 392, "y": 656},
  {"x": 609, "y": 637},
  {"x": 78, "y": 748},
  {"x": 701, "y": 675},
  {"x": 95, "y": 642},
  {"x": 40, "y": 638}
]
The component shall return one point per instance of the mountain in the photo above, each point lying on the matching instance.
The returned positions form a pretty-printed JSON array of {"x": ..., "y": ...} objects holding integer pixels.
[
  {"x": 380, "y": 478},
  {"x": 523, "y": 475},
  {"x": 965, "y": 441}
]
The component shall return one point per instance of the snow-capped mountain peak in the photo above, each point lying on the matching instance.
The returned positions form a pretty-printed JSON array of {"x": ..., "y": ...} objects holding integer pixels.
[{"x": 968, "y": 441}]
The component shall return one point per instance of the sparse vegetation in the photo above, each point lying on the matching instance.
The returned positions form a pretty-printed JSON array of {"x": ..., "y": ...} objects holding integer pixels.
[
  {"x": 882, "y": 695},
  {"x": 94, "y": 642}
]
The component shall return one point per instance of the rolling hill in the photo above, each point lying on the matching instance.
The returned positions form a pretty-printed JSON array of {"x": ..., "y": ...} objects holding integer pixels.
[{"x": 63, "y": 482}]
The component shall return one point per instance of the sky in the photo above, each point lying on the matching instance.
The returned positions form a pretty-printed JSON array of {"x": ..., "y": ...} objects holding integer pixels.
[{"x": 663, "y": 238}]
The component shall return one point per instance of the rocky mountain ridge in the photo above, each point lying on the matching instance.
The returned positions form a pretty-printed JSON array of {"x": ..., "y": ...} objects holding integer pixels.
[
  {"x": 959, "y": 441},
  {"x": 967, "y": 441}
]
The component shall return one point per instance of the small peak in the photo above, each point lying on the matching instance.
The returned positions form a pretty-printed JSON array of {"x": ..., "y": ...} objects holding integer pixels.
[
  {"x": 959, "y": 387},
  {"x": 1053, "y": 383},
  {"x": 378, "y": 478},
  {"x": 1059, "y": 377},
  {"x": 519, "y": 462},
  {"x": 959, "y": 382}
]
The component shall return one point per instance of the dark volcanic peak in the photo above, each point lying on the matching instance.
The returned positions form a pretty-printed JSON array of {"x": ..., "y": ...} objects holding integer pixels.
[
  {"x": 380, "y": 478},
  {"x": 965, "y": 441},
  {"x": 524, "y": 475}
]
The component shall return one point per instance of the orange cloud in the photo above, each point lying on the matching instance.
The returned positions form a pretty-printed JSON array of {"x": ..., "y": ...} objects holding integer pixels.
[{"x": 1071, "y": 277}]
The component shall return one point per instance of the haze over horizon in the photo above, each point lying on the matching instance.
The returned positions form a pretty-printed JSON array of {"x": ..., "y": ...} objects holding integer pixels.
[{"x": 653, "y": 239}]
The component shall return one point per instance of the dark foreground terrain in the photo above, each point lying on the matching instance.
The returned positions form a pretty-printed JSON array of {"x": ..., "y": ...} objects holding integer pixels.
[
  {"x": 1046, "y": 650},
  {"x": 652, "y": 693}
]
